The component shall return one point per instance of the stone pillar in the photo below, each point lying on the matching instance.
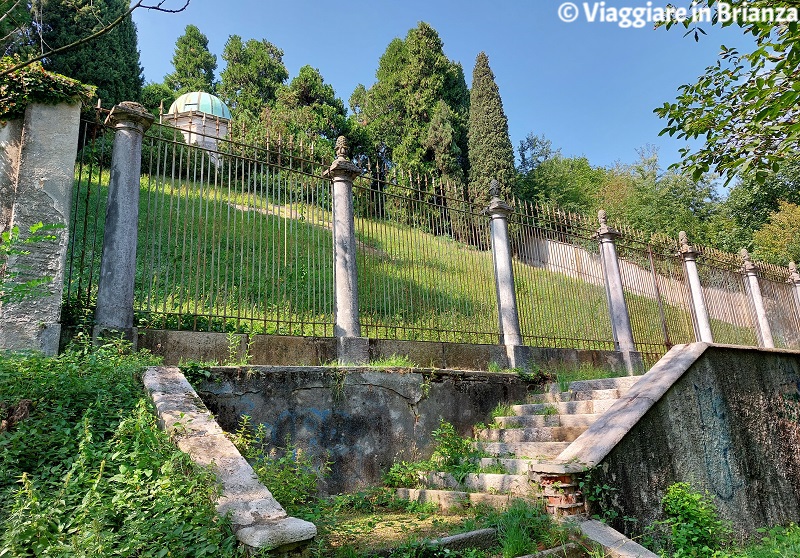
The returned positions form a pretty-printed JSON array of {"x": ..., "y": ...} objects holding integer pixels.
[
  {"x": 754, "y": 291},
  {"x": 114, "y": 313},
  {"x": 351, "y": 347},
  {"x": 702, "y": 327},
  {"x": 37, "y": 173},
  {"x": 794, "y": 280},
  {"x": 508, "y": 317},
  {"x": 617, "y": 307}
]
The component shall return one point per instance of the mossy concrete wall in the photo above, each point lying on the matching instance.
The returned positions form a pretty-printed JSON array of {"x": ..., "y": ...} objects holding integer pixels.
[
  {"x": 728, "y": 423},
  {"x": 279, "y": 350},
  {"x": 359, "y": 419}
]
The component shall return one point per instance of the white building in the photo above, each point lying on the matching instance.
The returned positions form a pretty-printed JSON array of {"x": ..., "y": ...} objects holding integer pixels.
[{"x": 202, "y": 118}]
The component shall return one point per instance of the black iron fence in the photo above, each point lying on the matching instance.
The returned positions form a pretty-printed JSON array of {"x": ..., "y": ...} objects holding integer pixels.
[{"x": 236, "y": 237}]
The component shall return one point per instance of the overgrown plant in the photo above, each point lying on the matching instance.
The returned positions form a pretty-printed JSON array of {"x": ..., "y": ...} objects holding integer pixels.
[{"x": 19, "y": 284}]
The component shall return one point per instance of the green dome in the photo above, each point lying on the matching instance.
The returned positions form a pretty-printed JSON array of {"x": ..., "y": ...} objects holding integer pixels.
[{"x": 201, "y": 102}]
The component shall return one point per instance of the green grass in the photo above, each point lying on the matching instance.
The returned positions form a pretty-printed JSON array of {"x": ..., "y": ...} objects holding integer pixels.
[
  {"x": 218, "y": 259},
  {"x": 89, "y": 473}
]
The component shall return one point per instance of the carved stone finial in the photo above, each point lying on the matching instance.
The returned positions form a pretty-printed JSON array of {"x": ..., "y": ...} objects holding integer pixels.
[
  {"x": 683, "y": 238},
  {"x": 602, "y": 217},
  {"x": 745, "y": 254},
  {"x": 341, "y": 147},
  {"x": 494, "y": 188},
  {"x": 794, "y": 276}
]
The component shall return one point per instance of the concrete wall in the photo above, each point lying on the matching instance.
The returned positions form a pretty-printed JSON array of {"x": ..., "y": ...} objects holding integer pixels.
[
  {"x": 728, "y": 422},
  {"x": 361, "y": 419},
  {"x": 41, "y": 163},
  {"x": 314, "y": 351}
]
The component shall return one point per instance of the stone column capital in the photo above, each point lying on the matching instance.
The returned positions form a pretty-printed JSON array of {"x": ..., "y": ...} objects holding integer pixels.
[
  {"x": 128, "y": 114},
  {"x": 342, "y": 166},
  {"x": 605, "y": 233},
  {"x": 794, "y": 276},
  {"x": 498, "y": 209},
  {"x": 748, "y": 267},
  {"x": 686, "y": 250}
]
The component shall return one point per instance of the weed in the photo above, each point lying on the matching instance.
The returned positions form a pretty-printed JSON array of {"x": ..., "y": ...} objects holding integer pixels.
[
  {"x": 394, "y": 361},
  {"x": 196, "y": 371},
  {"x": 547, "y": 410},
  {"x": 693, "y": 526},
  {"x": 502, "y": 410},
  {"x": 535, "y": 374},
  {"x": 494, "y": 367},
  {"x": 563, "y": 383}
]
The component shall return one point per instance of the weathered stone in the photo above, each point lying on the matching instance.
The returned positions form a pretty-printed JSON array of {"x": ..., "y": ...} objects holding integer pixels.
[
  {"x": 114, "y": 312},
  {"x": 360, "y": 419},
  {"x": 613, "y": 542},
  {"x": 40, "y": 162},
  {"x": 508, "y": 315}
]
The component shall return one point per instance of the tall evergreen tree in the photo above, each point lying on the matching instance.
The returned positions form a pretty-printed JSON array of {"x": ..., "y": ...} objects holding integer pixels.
[
  {"x": 417, "y": 87},
  {"x": 254, "y": 73},
  {"x": 491, "y": 155},
  {"x": 193, "y": 62},
  {"x": 110, "y": 62}
]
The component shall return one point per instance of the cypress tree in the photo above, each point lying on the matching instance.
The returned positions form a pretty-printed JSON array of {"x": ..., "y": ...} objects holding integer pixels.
[
  {"x": 491, "y": 155},
  {"x": 110, "y": 62},
  {"x": 193, "y": 62}
]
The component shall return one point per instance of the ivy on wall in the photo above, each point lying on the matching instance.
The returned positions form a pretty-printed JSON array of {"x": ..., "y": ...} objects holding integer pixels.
[{"x": 33, "y": 84}]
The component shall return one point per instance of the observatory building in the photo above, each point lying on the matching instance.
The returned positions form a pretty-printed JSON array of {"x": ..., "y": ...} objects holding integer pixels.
[{"x": 202, "y": 118}]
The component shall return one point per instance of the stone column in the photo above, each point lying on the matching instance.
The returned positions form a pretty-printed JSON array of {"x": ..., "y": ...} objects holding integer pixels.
[
  {"x": 114, "y": 313},
  {"x": 351, "y": 347},
  {"x": 617, "y": 307},
  {"x": 37, "y": 174},
  {"x": 702, "y": 327},
  {"x": 510, "y": 334},
  {"x": 754, "y": 291},
  {"x": 794, "y": 280}
]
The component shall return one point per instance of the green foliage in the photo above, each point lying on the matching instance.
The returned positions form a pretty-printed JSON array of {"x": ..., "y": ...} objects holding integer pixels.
[
  {"x": 157, "y": 95},
  {"x": 778, "y": 241},
  {"x": 523, "y": 527},
  {"x": 252, "y": 76},
  {"x": 290, "y": 473},
  {"x": 739, "y": 104},
  {"x": 503, "y": 410},
  {"x": 89, "y": 472},
  {"x": 193, "y": 62},
  {"x": 691, "y": 528},
  {"x": 491, "y": 156},
  {"x": 32, "y": 84},
  {"x": 19, "y": 282},
  {"x": 15, "y": 27},
  {"x": 415, "y": 115},
  {"x": 109, "y": 62},
  {"x": 777, "y": 541},
  {"x": 393, "y": 361}
]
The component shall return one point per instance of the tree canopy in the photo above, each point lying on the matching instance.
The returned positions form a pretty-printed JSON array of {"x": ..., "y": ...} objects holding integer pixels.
[
  {"x": 491, "y": 156},
  {"x": 193, "y": 62},
  {"x": 745, "y": 107},
  {"x": 415, "y": 114},
  {"x": 253, "y": 74}
]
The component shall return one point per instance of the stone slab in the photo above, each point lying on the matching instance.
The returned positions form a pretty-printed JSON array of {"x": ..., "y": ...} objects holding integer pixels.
[{"x": 613, "y": 542}]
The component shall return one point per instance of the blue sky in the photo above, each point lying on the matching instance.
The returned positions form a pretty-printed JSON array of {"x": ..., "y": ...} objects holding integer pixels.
[{"x": 589, "y": 87}]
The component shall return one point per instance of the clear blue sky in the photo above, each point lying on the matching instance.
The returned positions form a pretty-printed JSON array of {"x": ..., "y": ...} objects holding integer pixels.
[{"x": 589, "y": 87}]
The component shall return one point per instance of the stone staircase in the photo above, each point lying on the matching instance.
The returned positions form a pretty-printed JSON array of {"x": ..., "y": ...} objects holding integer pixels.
[{"x": 527, "y": 445}]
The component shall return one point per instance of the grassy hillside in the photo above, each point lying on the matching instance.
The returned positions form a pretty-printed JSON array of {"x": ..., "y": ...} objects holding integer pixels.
[{"x": 217, "y": 259}]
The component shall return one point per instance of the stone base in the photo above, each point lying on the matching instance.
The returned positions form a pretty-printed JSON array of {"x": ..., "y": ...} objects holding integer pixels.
[
  {"x": 102, "y": 334},
  {"x": 19, "y": 335},
  {"x": 352, "y": 350},
  {"x": 634, "y": 363},
  {"x": 519, "y": 356}
]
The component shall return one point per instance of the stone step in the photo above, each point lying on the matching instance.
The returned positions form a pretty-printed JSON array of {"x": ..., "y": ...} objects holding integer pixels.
[
  {"x": 539, "y": 421},
  {"x": 623, "y": 383},
  {"x": 565, "y": 408},
  {"x": 448, "y": 499},
  {"x": 564, "y": 396},
  {"x": 531, "y": 434},
  {"x": 534, "y": 450},
  {"x": 492, "y": 483},
  {"x": 512, "y": 466}
]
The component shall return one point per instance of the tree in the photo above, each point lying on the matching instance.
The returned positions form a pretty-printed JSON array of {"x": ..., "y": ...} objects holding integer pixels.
[
  {"x": 21, "y": 34},
  {"x": 778, "y": 241},
  {"x": 110, "y": 62},
  {"x": 253, "y": 75},
  {"x": 193, "y": 62},
  {"x": 156, "y": 95},
  {"x": 416, "y": 85},
  {"x": 491, "y": 155},
  {"x": 309, "y": 107},
  {"x": 570, "y": 183},
  {"x": 746, "y": 105}
]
